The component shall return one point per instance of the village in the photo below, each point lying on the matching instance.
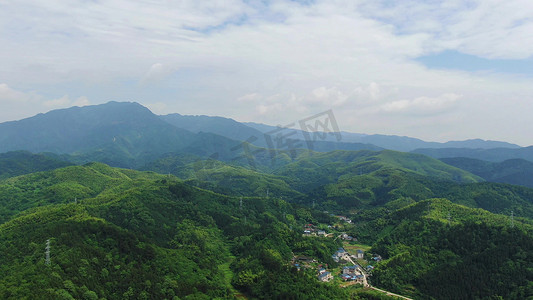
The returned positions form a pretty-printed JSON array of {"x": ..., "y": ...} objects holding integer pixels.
[{"x": 354, "y": 263}]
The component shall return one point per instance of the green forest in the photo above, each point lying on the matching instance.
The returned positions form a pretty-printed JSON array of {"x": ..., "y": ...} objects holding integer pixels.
[{"x": 187, "y": 228}]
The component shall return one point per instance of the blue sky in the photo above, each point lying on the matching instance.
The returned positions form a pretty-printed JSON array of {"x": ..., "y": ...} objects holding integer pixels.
[
  {"x": 436, "y": 70},
  {"x": 454, "y": 60}
]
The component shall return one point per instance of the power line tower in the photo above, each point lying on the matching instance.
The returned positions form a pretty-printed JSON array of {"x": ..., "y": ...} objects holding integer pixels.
[
  {"x": 267, "y": 193},
  {"x": 47, "y": 253},
  {"x": 512, "y": 219},
  {"x": 240, "y": 204},
  {"x": 449, "y": 219}
]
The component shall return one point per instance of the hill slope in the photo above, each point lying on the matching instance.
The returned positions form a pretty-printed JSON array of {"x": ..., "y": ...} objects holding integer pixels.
[
  {"x": 322, "y": 168},
  {"x": 435, "y": 245},
  {"x": 493, "y": 155},
  {"x": 120, "y": 234},
  {"x": 22, "y": 162},
  {"x": 512, "y": 171}
]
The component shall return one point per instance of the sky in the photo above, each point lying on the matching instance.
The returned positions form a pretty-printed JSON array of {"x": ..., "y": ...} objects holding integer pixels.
[{"x": 435, "y": 70}]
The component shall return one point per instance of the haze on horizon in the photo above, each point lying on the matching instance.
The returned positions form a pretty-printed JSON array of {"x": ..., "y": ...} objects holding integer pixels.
[{"x": 438, "y": 71}]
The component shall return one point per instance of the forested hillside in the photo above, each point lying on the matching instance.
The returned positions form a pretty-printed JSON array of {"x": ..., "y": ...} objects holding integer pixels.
[
  {"x": 23, "y": 162},
  {"x": 125, "y": 234},
  {"x": 435, "y": 245},
  {"x": 512, "y": 171}
]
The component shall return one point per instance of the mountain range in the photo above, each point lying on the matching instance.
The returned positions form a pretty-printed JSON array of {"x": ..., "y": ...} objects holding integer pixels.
[
  {"x": 131, "y": 135},
  {"x": 112, "y": 201},
  {"x": 126, "y": 134}
]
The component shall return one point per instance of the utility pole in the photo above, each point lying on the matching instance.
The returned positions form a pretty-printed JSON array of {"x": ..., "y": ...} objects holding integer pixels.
[{"x": 47, "y": 253}]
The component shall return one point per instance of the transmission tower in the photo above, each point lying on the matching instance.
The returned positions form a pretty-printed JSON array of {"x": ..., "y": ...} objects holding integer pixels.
[
  {"x": 512, "y": 219},
  {"x": 47, "y": 253},
  {"x": 240, "y": 204}
]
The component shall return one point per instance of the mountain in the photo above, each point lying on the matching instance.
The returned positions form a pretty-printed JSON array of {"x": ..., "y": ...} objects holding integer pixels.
[
  {"x": 16, "y": 163},
  {"x": 121, "y": 134},
  {"x": 218, "y": 125},
  {"x": 512, "y": 171},
  {"x": 393, "y": 142},
  {"x": 493, "y": 155},
  {"x": 274, "y": 138}
]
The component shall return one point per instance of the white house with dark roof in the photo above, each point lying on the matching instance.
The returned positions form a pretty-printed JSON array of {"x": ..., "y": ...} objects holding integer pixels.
[{"x": 326, "y": 276}]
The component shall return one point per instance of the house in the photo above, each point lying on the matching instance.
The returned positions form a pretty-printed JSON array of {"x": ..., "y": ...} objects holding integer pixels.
[
  {"x": 358, "y": 278},
  {"x": 346, "y": 237},
  {"x": 339, "y": 254},
  {"x": 326, "y": 276},
  {"x": 346, "y": 277},
  {"x": 321, "y": 232},
  {"x": 350, "y": 270},
  {"x": 321, "y": 271},
  {"x": 359, "y": 254},
  {"x": 343, "y": 218},
  {"x": 305, "y": 259},
  {"x": 369, "y": 268}
]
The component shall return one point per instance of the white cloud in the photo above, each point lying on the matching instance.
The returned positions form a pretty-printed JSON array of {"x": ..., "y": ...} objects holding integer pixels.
[
  {"x": 11, "y": 95},
  {"x": 328, "y": 96},
  {"x": 158, "y": 108},
  {"x": 157, "y": 72},
  {"x": 59, "y": 102},
  {"x": 264, "y": 109},
  {"x": 81, "y": 101},
  {"x": 486, "y": 28},
  {"x": 252, "y": 97},
  {"x": 426, "y": 106},
  {"x": 65, "y": 101},
  {"x": 276, "y": 62}
]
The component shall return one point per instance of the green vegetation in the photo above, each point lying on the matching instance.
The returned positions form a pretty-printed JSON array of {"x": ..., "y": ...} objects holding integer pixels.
[
  {"x": 479, "y": 254},
  {"x": 16, "y": 163},
  {"x": 224, "y": 178},
  {"x": 512, "y": 171},
  {"x": 214, "y": 233},
  {"x": 140, "y": 235}
]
